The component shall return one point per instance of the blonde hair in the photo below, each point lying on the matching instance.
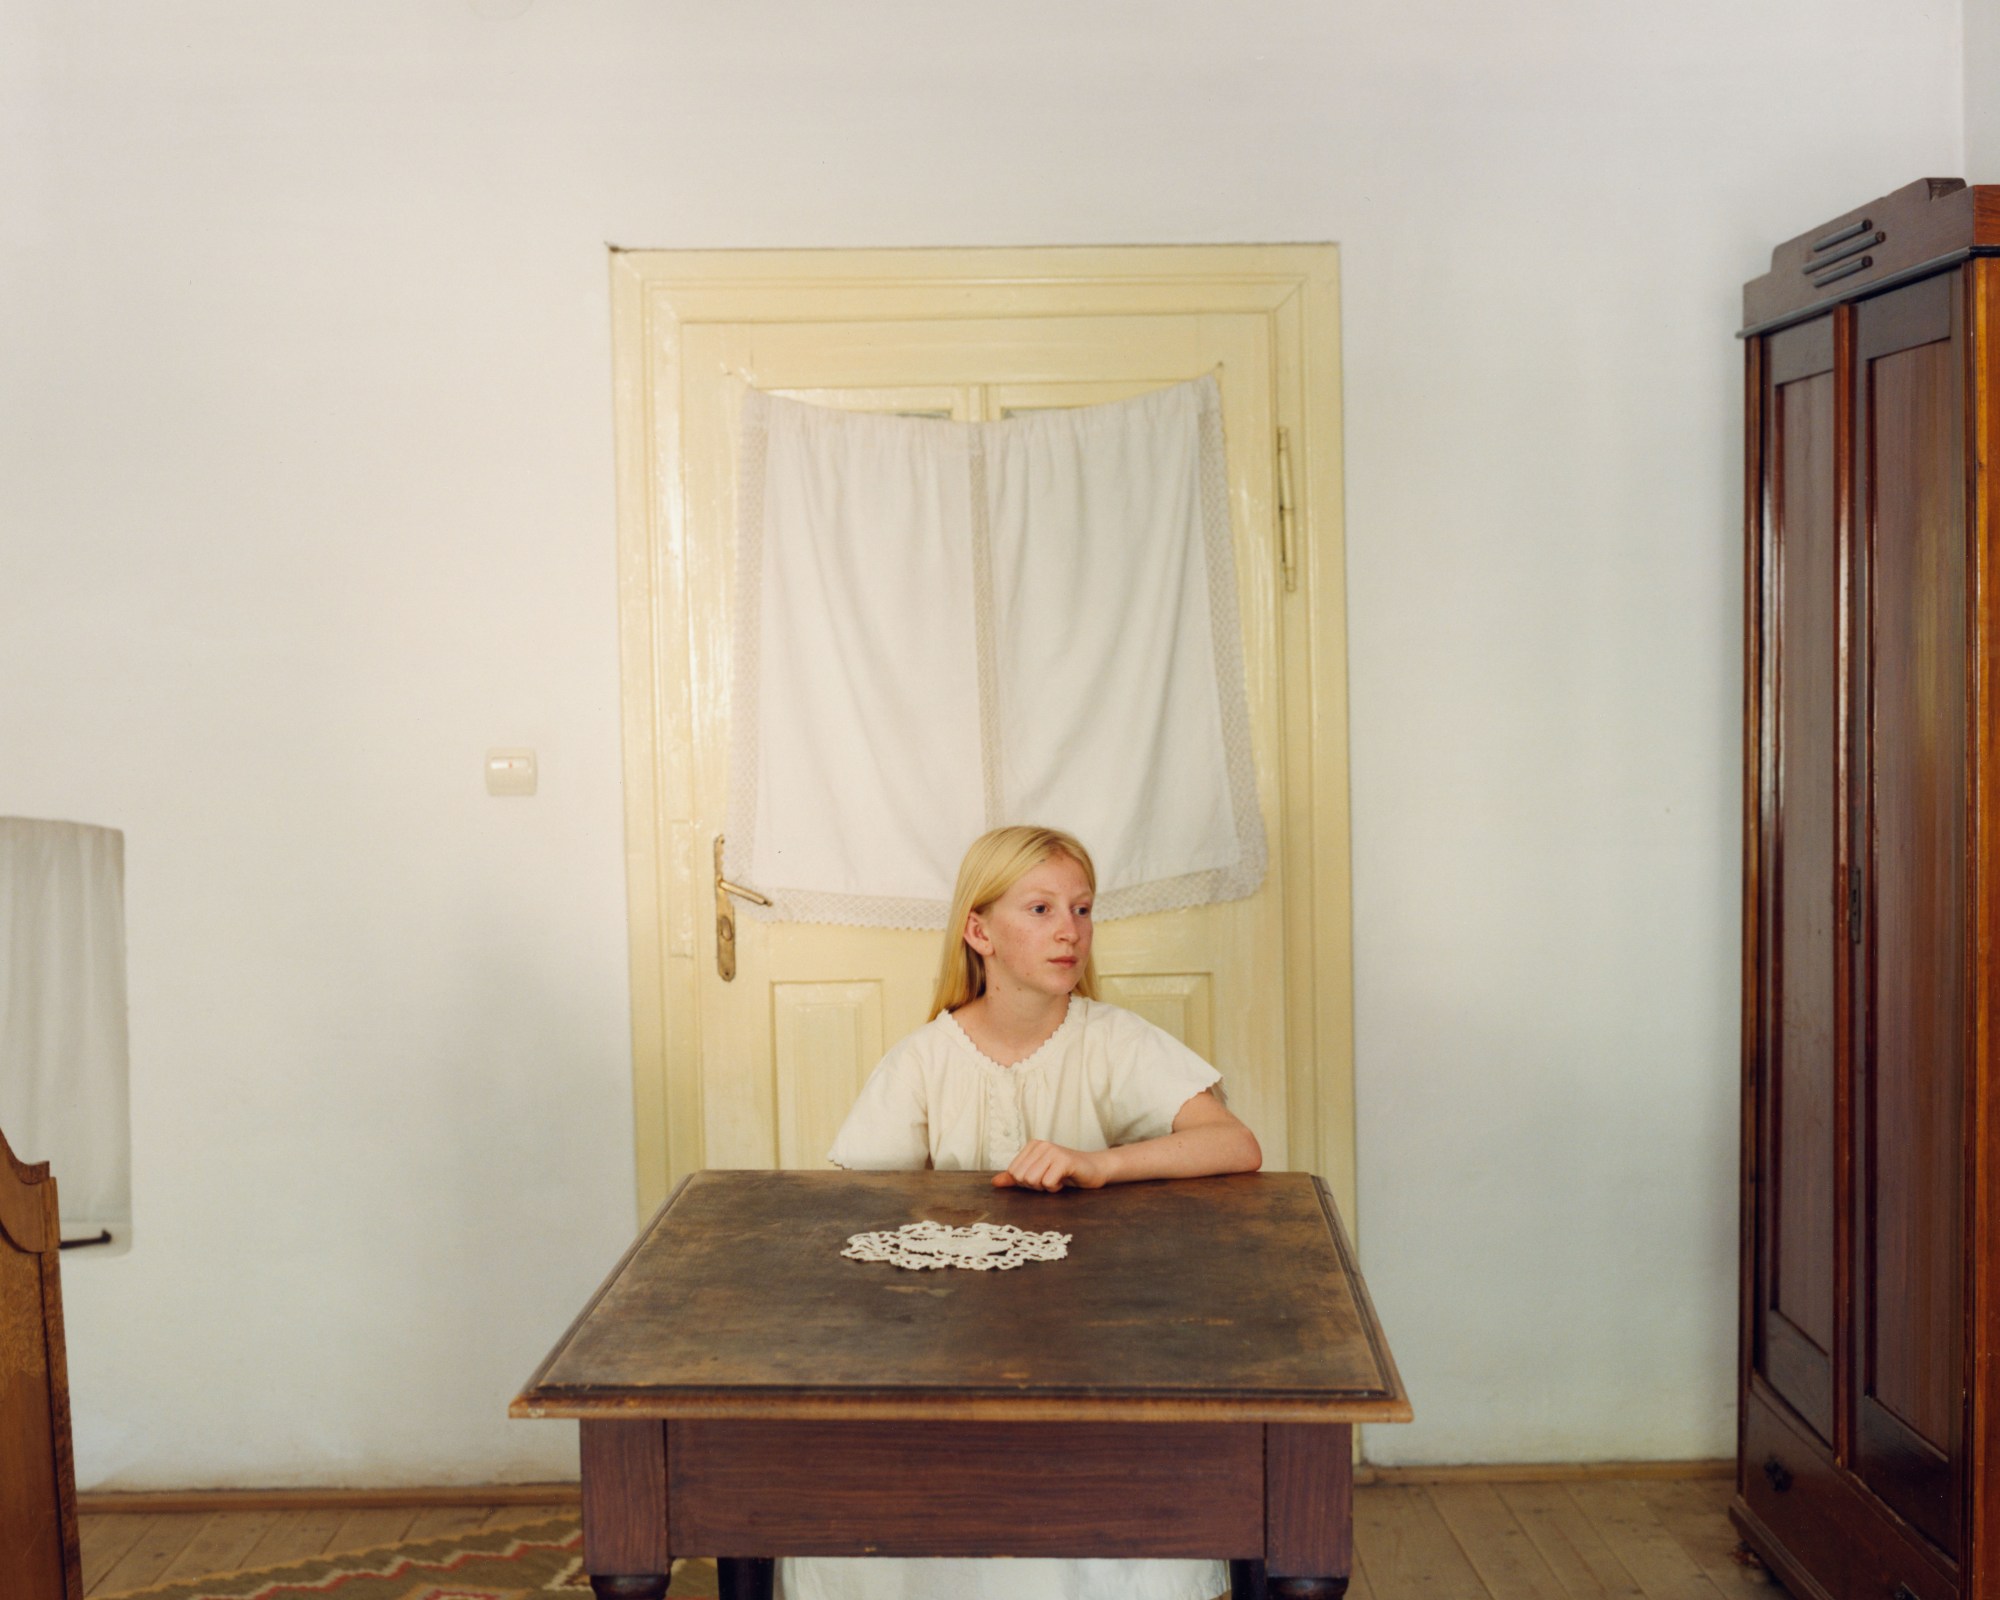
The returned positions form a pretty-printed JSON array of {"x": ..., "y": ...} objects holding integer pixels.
[{"x": 994, "y": 864}]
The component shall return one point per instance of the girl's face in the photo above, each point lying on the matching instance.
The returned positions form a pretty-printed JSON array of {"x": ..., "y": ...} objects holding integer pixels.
[{"x": 1036, "y": 936}]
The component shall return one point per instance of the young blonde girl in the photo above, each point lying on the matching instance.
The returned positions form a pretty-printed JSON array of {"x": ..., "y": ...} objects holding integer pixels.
[{"x": 1022, "y": 1071}]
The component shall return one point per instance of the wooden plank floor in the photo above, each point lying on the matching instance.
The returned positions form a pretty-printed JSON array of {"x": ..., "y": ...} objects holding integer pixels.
[
  {"x": 1590, "y": 1539},
  {"x": 1593, "y": 1539}
]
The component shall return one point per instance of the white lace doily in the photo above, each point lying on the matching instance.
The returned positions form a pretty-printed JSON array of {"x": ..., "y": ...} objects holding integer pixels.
[{"x": 983, "y": 1247}]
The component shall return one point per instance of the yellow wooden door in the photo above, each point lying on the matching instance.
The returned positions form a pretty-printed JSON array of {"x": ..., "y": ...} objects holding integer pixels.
[{"x": 758, "y": 1070}]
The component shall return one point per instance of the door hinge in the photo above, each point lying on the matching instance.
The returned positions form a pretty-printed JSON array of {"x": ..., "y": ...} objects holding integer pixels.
[
  {"x": 1287, "y": 516},
  {"x": 1853, "y": 905}
]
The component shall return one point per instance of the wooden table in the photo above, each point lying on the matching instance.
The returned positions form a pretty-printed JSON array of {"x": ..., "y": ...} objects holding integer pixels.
[{"x": 1184, "y": 1384}]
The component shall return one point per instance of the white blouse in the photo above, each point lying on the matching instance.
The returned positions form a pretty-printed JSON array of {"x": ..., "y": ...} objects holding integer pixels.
[{"x": 1105, "y": 1077}]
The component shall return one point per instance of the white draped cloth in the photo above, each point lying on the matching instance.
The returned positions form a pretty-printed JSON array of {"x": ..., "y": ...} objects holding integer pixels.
[
  {"x": 942, "y": 627},
  {"x": 63, "y": 1035}
]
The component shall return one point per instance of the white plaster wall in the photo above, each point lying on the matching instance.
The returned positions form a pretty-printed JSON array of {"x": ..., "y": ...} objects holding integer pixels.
[
  {"x": 305, "y": 500},
  {"x": 1982, "y": 90}
]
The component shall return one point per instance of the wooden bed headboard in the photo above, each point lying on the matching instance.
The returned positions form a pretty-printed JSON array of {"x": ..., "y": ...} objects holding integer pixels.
[{"x": 39, "y": 1557}]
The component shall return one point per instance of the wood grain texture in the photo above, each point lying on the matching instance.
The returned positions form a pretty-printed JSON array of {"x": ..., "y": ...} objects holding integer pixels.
[
  {"x": 1801, "y": 351},
  {"x": 1847, "y": 987},
  {"x": 1545, "y": 1471},
  {"x": 40, "y": 1558},
  {"x": 817, "y": 1488},
  {"x": 1909, "y": 1140},
  {"x": 1409, "y": 1550},
  {"x": 1564, "y": 1536},
  {"x": 1814, "y": 1520},
  {"x": 1380, "y": 1359},
  {"x": 1657, "y": 1561},
  {"x": 110, "y": 1536},
  {"x": 146, "y": 1560},
  {"x": 1801, "y": 918},
  {"x": 1903, "y": 1483},
  {"x": 1693, "y": 1514},
  {"x": 1982, "y": 356},
  {"x": 28, "y": 1220},
  {"x": 221, "y": 1542},
  {"x": 1757, "y": 818},
  {"x": 442, "y": 1521},
  {"x": 361, "y": 1530},
  {"x": 1215, "y": 1299},
  {"x": 1809, "y": 905},
  {"x": 1507, "y": 1560},
  {"x": 625, "y": 1496},
  {"x": 296, "y": 1538},
  {"x": 1308, "y": 1500}
]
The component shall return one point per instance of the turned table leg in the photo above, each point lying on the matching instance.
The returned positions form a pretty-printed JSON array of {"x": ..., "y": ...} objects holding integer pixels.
[
  {"x": 650, "y": 1587},
  {"x": 625, "y": 1547},
  {"x": 744, "y": 1577}
]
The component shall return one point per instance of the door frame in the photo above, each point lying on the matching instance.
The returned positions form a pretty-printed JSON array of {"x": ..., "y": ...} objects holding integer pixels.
[{"x": 656, "y": 294}]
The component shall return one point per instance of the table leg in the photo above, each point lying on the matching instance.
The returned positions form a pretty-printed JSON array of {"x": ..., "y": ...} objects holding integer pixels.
[
  {"x": 625, "y": 1546},
  {"x": 1308, "y": 1510},
  {"x": 647, "y": 1588},
  {"x": 744, "y": 1577},
  {"x": 1246, "y": 1580}
]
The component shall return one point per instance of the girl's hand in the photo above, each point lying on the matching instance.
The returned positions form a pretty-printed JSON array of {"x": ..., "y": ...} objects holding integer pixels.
[{"x": 1042, "y": 1165}]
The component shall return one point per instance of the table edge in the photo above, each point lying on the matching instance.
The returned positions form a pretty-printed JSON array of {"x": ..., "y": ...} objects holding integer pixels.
[
  {"x": 1378, "y": 1341},
  {"x": 1391, "y": 1403},
  {"x": 610, "y": 1278},
  {"x": 955, "y": 1406}
]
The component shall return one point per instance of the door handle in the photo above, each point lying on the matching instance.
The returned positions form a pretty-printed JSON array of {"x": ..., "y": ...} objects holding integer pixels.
[{"x": 725, "y": 917}]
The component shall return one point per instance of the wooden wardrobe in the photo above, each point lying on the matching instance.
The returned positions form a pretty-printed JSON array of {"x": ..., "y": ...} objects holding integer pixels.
[{"x": 1869, "y": 1426}]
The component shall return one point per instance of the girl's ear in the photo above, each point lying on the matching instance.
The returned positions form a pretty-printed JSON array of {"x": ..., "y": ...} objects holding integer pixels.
[{"x": 976, "y": 935}]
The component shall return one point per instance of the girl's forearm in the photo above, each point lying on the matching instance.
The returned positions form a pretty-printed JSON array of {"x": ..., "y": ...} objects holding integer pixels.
[{"x": 1191, "y": 1153}]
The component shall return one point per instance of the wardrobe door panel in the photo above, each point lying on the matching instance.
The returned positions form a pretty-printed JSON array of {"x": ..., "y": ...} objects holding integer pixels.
[
  {"x": 1795, "y": 1322},
  {"x": 1909, "y": 1107}
]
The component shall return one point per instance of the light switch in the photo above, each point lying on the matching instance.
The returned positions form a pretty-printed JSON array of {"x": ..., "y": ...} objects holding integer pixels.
[{"x": 510, "y": 772}]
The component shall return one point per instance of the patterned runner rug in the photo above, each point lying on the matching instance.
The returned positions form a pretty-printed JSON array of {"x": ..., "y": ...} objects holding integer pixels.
[{"x": 539, "y": 1561}]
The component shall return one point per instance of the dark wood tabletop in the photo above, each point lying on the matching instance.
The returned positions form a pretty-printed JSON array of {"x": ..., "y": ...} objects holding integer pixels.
[{"x": 1230, "y": 1299}]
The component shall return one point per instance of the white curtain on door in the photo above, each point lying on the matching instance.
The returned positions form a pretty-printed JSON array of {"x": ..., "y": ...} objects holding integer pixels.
[
  {"x": 63, "y": 1049},
  {"x": 943, "y": 626}
]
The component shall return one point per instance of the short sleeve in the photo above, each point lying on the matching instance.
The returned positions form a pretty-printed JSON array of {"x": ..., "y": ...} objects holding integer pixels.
[
  {"x": 889, "y": 1128},
  {"x": 1153, "y": 1075}
]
